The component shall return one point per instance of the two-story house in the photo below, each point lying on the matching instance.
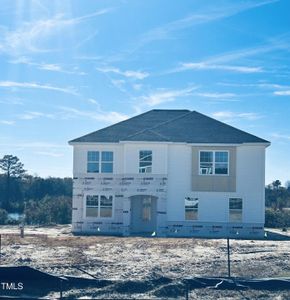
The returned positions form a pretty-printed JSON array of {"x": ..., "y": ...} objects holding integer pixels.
[{"x": 169, "y": 173}]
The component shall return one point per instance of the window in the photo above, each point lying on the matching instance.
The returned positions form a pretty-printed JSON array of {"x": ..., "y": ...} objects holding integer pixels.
[
  {"x": 106, "y": 206},
  {"x": 213, "y": 162},
  {"x": 235, "y": 210},
  {"x": 99, "y": 206},
  {"x": 191, "y": 208},
  {"x": 145, "y": 161},
  {"x": 107, "y": 162},
  {"x": 95, "y": 161},
  {"x": 92, "y": 204}
]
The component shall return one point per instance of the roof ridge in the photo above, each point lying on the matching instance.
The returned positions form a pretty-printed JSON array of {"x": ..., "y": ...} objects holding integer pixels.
[
  {"x": 115, "y": 124},
  {"x": 235, "y": 128},
  {"x": 156, "y": 126}
]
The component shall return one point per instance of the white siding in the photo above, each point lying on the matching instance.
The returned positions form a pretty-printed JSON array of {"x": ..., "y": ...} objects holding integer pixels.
[
  {"x": 251, "y": 181},
  {"x": 179, "y": 180},
  {"x": 80, "y": 156},
  {"x": 159, "y": 157}
]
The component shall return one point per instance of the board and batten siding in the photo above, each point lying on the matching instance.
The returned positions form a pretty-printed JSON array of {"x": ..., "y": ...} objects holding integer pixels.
[{"x": 214, "y": 183}]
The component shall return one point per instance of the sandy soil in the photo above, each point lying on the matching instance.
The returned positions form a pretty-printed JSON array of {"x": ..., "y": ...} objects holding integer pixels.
[{"x": 57, "y": 251}]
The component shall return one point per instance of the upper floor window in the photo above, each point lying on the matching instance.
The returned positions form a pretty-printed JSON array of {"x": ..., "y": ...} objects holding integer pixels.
[
  {"x": 214, "y": 163},
  {"x": 107, "y": 162},
  {"x": 93, "y": 162},
  {"x": 235, "y": 210},
  {"x": 191, "y": 208},
  {"x": 145, "y": 161},
  {"x": 100, "y": 162}
]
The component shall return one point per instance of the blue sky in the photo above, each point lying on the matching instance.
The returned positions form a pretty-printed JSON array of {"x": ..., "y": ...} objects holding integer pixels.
[{"x": 71, "y": 67}]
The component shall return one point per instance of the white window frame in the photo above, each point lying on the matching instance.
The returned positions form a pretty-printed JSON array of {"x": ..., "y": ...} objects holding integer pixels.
[
  {"x": 235, "y": 209},
  {"x": 196, "y": 209},
  {"x": 213, "y": 163},
  {"x": 139, "y": 162},
  {"x": 99, "y": 206},
  {"x": 100, "y": 162}
]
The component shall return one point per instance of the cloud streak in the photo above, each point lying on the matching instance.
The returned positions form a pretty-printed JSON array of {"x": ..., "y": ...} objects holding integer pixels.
[
  {"x": 31, "y": 36},
  {"x": 102, "y": 116},
  {"x": 208, "y": 66},
  {"x": 129, "y": 73},
  {"x": 45, "y": 66},
  {"x": 232, "y": 116},
  {"x": 33, "y": 85},
  {"x": 165, "y": 95}
]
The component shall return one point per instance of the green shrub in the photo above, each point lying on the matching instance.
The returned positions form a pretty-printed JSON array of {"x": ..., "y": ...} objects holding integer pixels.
[
  {"x": 3, "y": 217},
  {"x": 277, "y": 218},
  {"x": 49, "y": 210}
]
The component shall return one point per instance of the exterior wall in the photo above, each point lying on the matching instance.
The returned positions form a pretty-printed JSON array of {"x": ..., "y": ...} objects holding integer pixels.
[
  {"x": 214, "y": 183},
  {"x": 173, "y": 172}
]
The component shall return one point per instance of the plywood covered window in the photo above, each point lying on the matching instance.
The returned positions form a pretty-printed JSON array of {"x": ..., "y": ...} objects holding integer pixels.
[
  {"x": 213, "y": 162},
  {"x": 235, "y": 209},
  {"x": 146, "y": 209},
  {"x": 145, "y": 161},
  {"x": 191, "y": 208}
]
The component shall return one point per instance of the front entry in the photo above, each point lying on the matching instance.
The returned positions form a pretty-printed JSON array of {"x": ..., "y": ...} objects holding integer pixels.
[{"x": 143, "y": 214}]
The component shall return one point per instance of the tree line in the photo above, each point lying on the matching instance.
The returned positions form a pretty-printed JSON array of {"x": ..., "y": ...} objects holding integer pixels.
[
  {"x": 41, "y": 200},
  {"x": 49, "y": 200}
]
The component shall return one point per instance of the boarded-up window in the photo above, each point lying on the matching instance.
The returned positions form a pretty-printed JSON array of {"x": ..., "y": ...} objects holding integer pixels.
[
  {"x": 235, "y": 209},
  {"x": 191, "y": 208},
  {"x": 146, "y": 209}
]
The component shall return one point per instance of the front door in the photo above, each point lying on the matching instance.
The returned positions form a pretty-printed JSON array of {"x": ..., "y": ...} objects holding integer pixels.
[{"x": 143, "y": 214}]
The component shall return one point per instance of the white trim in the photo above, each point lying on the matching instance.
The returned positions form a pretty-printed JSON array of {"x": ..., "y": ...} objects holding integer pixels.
[
  {"x": 100, "y": 161},
  {"x": 99, "y": 194},
  {"x": 213, "y": 162},
  {"x": 170, "y": 143}
]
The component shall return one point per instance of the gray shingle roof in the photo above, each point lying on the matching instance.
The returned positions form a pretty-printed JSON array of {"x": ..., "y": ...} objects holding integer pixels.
[{"x": 171, "y": 126}]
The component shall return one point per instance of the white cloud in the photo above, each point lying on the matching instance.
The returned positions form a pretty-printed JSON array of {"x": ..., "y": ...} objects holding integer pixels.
[
  {"x": 216, "y": 95},
  {"x": 102, "y": 116},
  {"x": 280, "y": 136},
  {"x": 208, "y": 66},
  {"x": 231, "y": 116},
  {"x": 32, "y": 85},
  {"x": 162, "y": 96},
  {"x": 282, "y": 93},
  {"x": 47, "y": 153},
  {"x": 34, "y": 115},
  {"x": 45, "y": 66},
  {"x": 207, "y": 15},
  {"x": 5, "y": 122},
  {"x": 129, "y": 73},
  {"x": 31, "y": 36}
]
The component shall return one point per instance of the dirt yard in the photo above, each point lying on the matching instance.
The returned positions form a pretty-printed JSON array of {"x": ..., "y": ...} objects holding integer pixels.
[{"x": 169, "y": 260}]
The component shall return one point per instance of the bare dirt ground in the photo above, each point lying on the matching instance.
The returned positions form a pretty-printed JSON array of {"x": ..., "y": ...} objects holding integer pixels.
[{"x": 141, "y": 260}]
